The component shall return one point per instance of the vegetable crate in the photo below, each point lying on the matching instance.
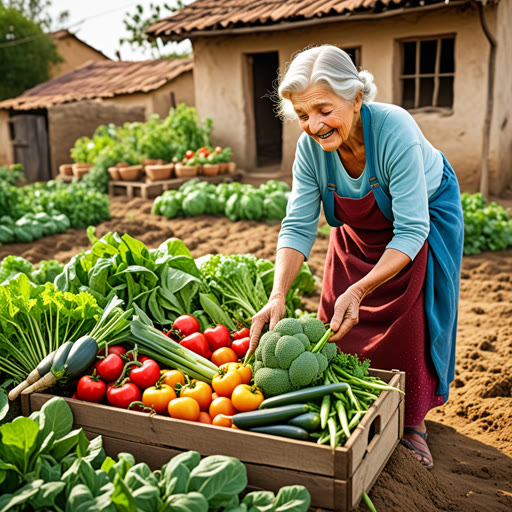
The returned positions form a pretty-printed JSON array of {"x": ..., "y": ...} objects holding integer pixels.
[{"x": 335, "y": 481}]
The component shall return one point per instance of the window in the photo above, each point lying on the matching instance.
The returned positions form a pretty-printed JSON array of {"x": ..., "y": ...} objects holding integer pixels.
[
  {"x": 355, "y": 55},
  {"x": 427, "y": 70}
]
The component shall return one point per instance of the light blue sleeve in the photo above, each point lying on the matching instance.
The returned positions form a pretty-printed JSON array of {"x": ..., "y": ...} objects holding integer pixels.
[
  {"x": 408, "y": 190},
  {"x": 299, "y": 227}
]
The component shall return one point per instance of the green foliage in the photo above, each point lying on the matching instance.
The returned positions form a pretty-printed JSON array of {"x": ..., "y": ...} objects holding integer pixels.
[
  {"x": 486, "y": 227},
  {"x": 44, "y": 272},
  {"x": 26, "y": 53},
  {"x": 351, "y": 364},
  {"x": 329, "y": 350},
  {"x": 35, "y": 320},
  {"x": 12, "y": 174},
  {"x": 48, "y": 466}
]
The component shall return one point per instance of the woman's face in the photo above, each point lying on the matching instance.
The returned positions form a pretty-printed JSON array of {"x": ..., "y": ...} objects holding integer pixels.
[{"x": 325, "y": 116}]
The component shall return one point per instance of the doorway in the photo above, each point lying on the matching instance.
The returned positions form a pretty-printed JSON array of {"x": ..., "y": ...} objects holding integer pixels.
[{"x": 268, "y": 127}]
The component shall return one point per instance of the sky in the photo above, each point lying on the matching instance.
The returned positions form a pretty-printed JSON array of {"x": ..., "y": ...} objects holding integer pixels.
[{"x": 100, "y": 24}]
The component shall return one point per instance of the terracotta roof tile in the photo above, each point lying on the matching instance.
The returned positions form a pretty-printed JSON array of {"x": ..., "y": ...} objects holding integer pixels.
[
  {"x": 101, "y": 79},
  {"x": 210, "y": 15}
]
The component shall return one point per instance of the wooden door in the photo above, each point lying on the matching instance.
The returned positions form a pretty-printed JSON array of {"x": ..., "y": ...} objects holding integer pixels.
[
  {"x": 268, "y": 127},
  {"x": 30, "y": 143}
]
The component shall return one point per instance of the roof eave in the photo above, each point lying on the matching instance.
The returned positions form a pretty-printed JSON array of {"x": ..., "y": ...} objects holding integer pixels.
[{"x": 290, "y": 25}]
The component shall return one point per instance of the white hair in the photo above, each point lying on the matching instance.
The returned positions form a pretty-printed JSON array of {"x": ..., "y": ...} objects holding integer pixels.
[{"x": 324, "y": 65}]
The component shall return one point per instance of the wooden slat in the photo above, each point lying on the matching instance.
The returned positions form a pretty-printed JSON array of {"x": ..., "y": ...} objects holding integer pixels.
[{"x": 206, "y": 439}]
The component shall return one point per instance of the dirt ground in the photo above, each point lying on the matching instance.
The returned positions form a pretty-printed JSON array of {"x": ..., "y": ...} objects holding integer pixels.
[{"x": 470, "y": 436}]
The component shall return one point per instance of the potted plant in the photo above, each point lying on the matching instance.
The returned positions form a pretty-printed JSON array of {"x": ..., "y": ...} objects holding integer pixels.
[
  {"x": 189, "y": 166},
  {"x": 159, "y": 171}
]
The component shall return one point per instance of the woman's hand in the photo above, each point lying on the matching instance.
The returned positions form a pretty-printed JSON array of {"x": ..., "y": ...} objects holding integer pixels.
[
  {"x": 271, "y": 314},
  {"x": 346, "y": 313}
]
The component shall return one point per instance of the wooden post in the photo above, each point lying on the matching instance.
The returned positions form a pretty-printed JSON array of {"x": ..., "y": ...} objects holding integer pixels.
[{"x": 484, "y": 166}]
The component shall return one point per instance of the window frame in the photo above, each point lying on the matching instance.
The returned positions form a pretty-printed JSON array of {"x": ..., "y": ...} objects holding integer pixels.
[
  {"x": 357, "y": 54},
  {"x": 436, "y": 75}
]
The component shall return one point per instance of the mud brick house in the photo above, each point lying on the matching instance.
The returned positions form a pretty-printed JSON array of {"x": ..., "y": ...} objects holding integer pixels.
[{"x": 429, "y": 56}]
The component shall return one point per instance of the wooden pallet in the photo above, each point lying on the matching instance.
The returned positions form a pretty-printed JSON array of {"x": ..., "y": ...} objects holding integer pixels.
[{"x": 147, "y": 189}]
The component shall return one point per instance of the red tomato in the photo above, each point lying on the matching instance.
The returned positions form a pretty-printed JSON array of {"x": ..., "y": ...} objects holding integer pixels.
[
  {"x": 189, "y": 154},
  {"x": 197, "y": 343},
  {"x": 122, "y": 396},
  {"x": 114, "y": 349},
  {"x": 91, "y": 389},
  {"x": 217, "y": 337},
  {"x": 242, "y": 333},
  {"x": 204, "y": 417},
  {"x": 110, "y": 368},
  {"x": 241, "y": 346},
  {"x": 146, "y": 375},
  {"x": 186, "y": 325}
]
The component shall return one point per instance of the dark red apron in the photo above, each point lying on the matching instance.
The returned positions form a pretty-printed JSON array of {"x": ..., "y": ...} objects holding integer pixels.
[{"x": 392, "y": 330}]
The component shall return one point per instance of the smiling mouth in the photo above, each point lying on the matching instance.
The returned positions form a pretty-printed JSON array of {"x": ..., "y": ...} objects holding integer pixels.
[{"x": 325, "y": 135}]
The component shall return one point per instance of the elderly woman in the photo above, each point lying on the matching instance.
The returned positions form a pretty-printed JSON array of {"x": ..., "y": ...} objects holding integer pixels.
[{"x": 391, "y": 279}]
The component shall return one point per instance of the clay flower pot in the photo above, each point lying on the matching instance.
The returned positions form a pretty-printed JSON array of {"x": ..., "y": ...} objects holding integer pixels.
[
  {"x": 231, "y": 167},
  {"x": 114, "y": 173},
  {"x": 152, "y": 161},
  {"x": 210, "y": 170},
  {"x": 122, "y": 164},
  {"x": 223, "y": 168},
  {"x": 186, "y": 171},
  {"x": 130, "y": 173},
  {"x": 159, "y": 172},
  {"x": 81, "y": 168},
  {"x": 66, "y": 169}
]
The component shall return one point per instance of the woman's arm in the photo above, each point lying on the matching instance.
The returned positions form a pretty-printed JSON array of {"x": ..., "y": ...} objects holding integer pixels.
[
  {"x": 346, "y": 309},
  {"x": 288, "y": 264}
]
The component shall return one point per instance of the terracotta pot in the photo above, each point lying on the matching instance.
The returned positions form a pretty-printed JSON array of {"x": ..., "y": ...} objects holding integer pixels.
[
  {"x": 210, "y": 170},
  {"x": 130, "y": 173},
  {"x": 231, "y": 167},
  {"x": 80, "y": 169},
  {"x": 159, "y": 172},
  {"x": 66, "y": 169},
  {"x": 223, "y": 168},
  {"x": 186, "y": 171},
  {"x": 122, "y": 164},
  {"x": 114, "y": 173}
]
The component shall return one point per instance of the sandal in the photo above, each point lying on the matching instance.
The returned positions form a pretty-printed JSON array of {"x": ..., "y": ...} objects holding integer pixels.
[{"x": 416, "y": 441}]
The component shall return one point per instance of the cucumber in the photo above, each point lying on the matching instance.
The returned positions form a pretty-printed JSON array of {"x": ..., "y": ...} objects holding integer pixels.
[
  {"x": 81, "y": 356},
  {"x": 258, "y": 418},
  {"x": 283, "y": 430},
  {"x": 303, "y": 395},
  {"x": 309, "y": 421}
]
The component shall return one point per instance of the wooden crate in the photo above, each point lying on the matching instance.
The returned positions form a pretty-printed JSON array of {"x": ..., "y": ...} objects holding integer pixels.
[
  {"x": 335, "y": 481},
  {"x": 148, "y": 189}
]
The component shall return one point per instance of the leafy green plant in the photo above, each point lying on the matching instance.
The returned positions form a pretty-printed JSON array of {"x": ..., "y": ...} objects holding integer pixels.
[
  {"x": 486, "y": 227},
  {"x": 12, "y": 174}
]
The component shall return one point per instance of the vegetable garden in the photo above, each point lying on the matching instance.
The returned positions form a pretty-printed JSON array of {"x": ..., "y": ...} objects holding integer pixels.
[{"x": 147, "y": 316}]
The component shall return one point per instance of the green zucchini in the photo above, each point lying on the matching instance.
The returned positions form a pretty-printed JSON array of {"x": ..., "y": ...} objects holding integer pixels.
[
  {"x": 259, "y": 418},
  {"x": 59, "y": 361},
  {"x": 283, "y": 430},
  {"x": 309, "y": 421},
  {"x": 81, "y": 356},
  {"x": 303, "y": 395}
]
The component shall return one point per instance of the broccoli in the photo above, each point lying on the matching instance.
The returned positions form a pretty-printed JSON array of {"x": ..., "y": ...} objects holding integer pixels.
[
  {"x": 257, "y": 352},
  {"x": 272, "y": 381},
  {"x": 323, "y": 363},
  {"x": 329, "y": 350},
  {"x": 314, "y": 328},
  {"x": 289, "y": 326},
  {"x": 303, "y": 370},
  {"x": 268, "y": 351},
  {"x": 257, "y": 365},
  {"x": 304, "y": 339},
  {"x": 287, "y": 349}
]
